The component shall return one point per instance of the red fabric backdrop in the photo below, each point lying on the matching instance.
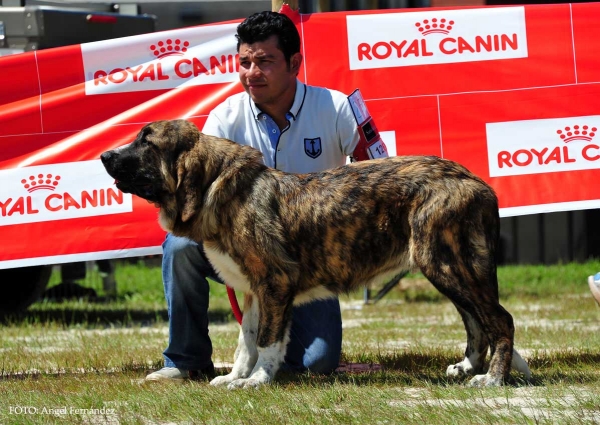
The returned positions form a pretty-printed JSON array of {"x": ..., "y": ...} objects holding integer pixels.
[{"x": 510, "y": 92}]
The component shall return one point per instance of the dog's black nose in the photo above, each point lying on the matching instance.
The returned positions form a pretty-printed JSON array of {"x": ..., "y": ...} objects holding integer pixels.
[{"x": 106, "y": 156}]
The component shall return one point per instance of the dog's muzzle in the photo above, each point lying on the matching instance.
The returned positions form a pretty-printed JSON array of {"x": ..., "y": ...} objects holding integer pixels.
[
  {"x": 143, "y": 190},
  {"x": 126, "y": 181}
]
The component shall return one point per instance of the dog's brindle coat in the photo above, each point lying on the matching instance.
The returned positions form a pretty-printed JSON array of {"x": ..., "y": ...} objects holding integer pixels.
[{"x": 287, "y": 238}]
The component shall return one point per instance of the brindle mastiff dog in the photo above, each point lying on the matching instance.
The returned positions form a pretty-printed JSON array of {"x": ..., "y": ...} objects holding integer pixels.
[{"x": 285, "y": 239}]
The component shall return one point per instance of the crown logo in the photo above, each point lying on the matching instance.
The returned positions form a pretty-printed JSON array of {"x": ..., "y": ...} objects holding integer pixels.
[
  {"x": 576, "y": 132},
  {"x": 169, "y": 47},
  {"x": 434, "y": 26},
  {"x": 41, "y": 181}
]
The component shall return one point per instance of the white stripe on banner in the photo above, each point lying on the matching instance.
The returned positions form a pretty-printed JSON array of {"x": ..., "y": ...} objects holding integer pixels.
[{"x": 88, "y": 256}]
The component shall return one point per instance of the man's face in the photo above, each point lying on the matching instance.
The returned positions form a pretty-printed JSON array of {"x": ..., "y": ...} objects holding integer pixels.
[{"x": 264, "y": 72}]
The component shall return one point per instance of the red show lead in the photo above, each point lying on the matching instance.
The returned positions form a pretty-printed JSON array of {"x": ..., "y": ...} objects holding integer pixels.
[{"x": 234, "y": 304}]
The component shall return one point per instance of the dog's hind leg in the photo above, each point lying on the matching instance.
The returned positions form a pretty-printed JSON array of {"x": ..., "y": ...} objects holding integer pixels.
[
  {"x": 458, "y": 259},
  {"x": 487, "y": 321},
  {"x": 499, "y": 324},
  {"x": 246, "y": 353},
  {"x": 476, "y": 351}
]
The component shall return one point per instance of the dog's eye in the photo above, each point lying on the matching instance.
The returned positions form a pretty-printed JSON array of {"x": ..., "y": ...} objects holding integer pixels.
[{"x": 145, "y": 142}]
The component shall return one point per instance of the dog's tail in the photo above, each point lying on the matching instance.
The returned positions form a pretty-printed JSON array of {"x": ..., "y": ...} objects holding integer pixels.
[{"x": 520, "y": 365}]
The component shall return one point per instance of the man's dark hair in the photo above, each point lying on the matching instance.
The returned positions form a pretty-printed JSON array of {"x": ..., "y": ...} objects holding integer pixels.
[{"x": 262, "y": 25}]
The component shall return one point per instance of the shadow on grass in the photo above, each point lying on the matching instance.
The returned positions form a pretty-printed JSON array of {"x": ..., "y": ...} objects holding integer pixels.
[
  {"x": 416, "y": 369},
  {"x": 437, "y": 378},
  {"x": 381, "y": 377},
  {"x": 95, "y": 314}
]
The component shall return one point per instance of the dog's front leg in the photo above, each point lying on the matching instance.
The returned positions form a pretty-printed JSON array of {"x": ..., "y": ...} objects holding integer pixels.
[
  {"x": 272, "y": 340},
  {"x": 245, "y": 354}
]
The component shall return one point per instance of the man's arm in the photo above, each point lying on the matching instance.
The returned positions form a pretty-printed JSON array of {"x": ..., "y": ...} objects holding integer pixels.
[
  {"x": 367, "y": 143},
  {"x": 347, "y": 129},
  {"x": 214, "y": 127}
]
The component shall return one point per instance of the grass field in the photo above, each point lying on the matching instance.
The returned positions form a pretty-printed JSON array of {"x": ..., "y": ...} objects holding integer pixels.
[{"x": 81, "y": 362}]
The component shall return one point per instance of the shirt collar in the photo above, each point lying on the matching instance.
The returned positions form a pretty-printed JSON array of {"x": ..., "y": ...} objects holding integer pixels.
[{"x": 296, "y": 106}]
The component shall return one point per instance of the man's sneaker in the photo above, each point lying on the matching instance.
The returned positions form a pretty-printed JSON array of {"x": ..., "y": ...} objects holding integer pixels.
[
  {"x": 178, "y": 375},
  {"x": 594, "y": 283}
]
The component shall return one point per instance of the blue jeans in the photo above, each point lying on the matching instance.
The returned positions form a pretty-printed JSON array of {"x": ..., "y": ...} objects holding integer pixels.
[{"x": 315, "y": 335}]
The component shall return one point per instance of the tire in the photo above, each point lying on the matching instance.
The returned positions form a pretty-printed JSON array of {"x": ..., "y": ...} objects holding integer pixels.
[{"x": 21, "y": 287}]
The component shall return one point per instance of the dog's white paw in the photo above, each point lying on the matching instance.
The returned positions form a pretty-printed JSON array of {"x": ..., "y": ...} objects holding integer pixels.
[
  {"x": 246, "y": 383},
  {"x": 461, "y": 369},
  {"x": 221, "y": 381},
  {"x": 485, "y": 381}
]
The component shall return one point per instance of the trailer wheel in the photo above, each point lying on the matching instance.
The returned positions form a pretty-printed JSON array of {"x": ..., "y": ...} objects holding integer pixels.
[{"x": 21, "y": 287}]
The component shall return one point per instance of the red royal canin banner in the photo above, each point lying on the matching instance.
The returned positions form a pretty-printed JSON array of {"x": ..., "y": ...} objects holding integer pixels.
[{"x": 513, "y": 93}]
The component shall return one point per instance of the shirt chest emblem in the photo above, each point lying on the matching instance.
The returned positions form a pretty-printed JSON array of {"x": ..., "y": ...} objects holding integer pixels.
[{"x": 312, "y": 147}]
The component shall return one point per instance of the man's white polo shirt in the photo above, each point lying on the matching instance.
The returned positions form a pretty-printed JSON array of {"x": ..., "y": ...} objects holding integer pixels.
[{"x": 322, "y": 131}]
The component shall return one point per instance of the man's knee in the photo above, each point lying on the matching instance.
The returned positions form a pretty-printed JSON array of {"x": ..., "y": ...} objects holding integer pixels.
[
  {"x": 185, "y": 262},
  {"x": 178, "y": 247},
  {"x": 316, "y": 337},
  {"x": 321, "y": 357}
]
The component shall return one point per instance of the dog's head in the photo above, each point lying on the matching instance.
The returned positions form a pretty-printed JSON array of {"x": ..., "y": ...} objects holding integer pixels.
[
  {"x": 147, "y": 167},
  {"x": 177, "y": 168}
]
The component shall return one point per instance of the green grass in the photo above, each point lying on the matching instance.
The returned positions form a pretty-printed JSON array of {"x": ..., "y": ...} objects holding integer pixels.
[{"x": 63, "y": 358}]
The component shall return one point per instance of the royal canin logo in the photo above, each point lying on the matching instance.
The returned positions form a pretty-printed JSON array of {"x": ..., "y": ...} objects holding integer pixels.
[
  {"x": 434, "y": 26},
  {"x": 456, "y": 36},
  {"x": 556, "y": 154},
  {"x": 537, "y": 146},
  {"x": 161, "y": 61},
  {"x": 184, "y": 67},
  {"x": 58, "y": 201},
  {"x": 55, "y": 192},
  {"x": 176, "y": 47},
  {"x": 40, "y": 182},
  {"x": 577, "y": 133},
  {"x": 445, "y": 46}
]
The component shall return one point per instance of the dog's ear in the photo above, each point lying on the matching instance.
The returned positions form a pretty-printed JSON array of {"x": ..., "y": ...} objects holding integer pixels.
[
  {"x": 189, "y": 189},
  {"x": 184, "y": 133}
]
